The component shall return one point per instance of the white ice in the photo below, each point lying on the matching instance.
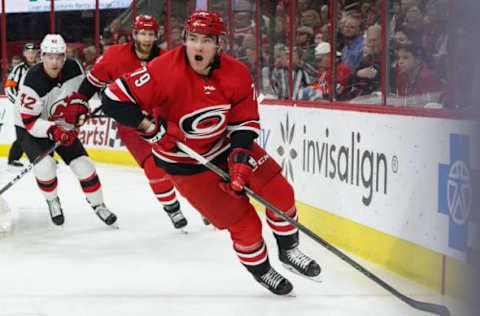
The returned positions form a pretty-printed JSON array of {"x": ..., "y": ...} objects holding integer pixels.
[{"x": 148, "y": 268}]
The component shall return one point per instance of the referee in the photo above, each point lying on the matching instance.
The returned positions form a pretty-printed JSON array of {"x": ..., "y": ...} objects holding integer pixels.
[{"x": 11, "y": 89}]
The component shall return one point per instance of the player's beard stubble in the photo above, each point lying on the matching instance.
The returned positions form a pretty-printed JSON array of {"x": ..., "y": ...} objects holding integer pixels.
[{"x": 143, "y": 48}]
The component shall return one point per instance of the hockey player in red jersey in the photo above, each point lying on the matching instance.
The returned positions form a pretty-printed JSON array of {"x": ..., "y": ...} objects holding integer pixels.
[
  {"x": 39, "y": 114},
  {"x": 117, "y": 60},
  {"x": 207, "y": 100}
]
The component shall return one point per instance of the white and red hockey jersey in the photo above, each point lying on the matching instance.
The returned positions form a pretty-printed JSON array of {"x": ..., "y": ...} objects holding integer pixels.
[
  {"x": 206, "y": 109},
  {"x": 41, "y": 100}
]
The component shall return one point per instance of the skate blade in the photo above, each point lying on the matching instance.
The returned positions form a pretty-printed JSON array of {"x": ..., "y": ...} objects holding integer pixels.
[
  {"x": 114, "y": 226},
  {"x": 291, "y": 294},
  {"x": 317, "y": 278},
  {"x": 182, "y": 231}
]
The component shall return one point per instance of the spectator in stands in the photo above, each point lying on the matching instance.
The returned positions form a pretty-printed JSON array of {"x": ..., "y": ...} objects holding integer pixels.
[
  {"x": 279, "y": 31},
  {"x": 106, "y": 39},
  {"x": 304, "y": 73},
  {"x": 280, "y": 73},
  {"x": 176, "y": 37},
  {"x": 117, "y": 31},
  {"x": 303, "y": 5},
  {"x": 122, "y": 39},
  {"x": 325, "y": 14},
  {"x": 242, "y": 25},
  {"x": 366, "y": 78},
  {"x": 414, "y": 18},
  {"x": 89, "y": 57},
  {"x": 311, "y": 18},
  {"x": 413, "y": 77},
  {"x": 305, "y": 43},
  {"x": 320, "y": 89},
  {"x": 15, "y": 61},
  {"x": 371, "y": 18},
  {"x": 161, "y": 37},
  {"x": 72, "y": 53},
  {"x": 352, "y": 51},
  {"x": 435, "y": 36}
]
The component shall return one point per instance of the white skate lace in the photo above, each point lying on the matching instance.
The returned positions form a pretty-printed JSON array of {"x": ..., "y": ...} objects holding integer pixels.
[
  {"x": 272, "y": 278},
  {"x": 298, "y": 258},
  {"x": 102, "y": 211},
  {"x": 54, "y": 207},
  {"x": 176, "y": 216}
]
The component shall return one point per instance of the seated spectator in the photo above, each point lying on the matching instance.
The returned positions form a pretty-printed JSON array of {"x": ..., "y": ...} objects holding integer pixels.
[
  {"x": 89, "y": 57},
  {"x": 106, "y": 39},
  {"x": 117, "y": 31},
  {"x": 15, "y": 61},
  {"x": 366, "y": 78},
  {"x": 304, "y": 73},
  {"x": 352, "y": 51},
  {"x": 435, "y": 36},
  {"x": 72, "y": 53},
  {"x": 320, "y": 89},
  {"x": 311, "y": 18},
  {"x": 305, "y": 43},
  {"x": 176, "y": 38},
  {"x": 413, "y": 77},
  {"x": 325, "y": 14},
  {"x": 280, "y": 75}
]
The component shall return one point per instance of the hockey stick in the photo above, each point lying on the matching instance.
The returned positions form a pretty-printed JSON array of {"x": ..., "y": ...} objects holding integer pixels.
[
  {"x": 423, "y": 306},
  {"x": 30, "y": 166}
]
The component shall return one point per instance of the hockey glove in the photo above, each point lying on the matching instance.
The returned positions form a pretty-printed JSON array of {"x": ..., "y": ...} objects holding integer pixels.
[
  {"x": 57, "y": 133},
  {"x": 241, "y": 165},
  {"x": 163, "y": 134},
  {"x": 77, "y": 109}
]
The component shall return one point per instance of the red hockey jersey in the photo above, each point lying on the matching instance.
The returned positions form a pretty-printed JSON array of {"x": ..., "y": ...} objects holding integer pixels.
[
  {"x": 116, "y": 61},
  {"x": 207, "y": 109}
]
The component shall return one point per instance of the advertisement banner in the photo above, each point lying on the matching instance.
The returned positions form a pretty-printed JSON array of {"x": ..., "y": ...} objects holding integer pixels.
[
  {"x": 24, "y": 6},
  {"x": 405, "y": 176}
]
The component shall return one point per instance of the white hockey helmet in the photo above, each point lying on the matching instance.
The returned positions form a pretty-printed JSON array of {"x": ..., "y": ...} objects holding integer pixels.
[{"x": 53, "y": 43}]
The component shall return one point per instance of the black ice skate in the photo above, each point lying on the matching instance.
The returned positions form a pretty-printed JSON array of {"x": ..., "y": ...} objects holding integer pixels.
[
  {"x": 104, "y": 214},
  {"x": 275, "y": 282},
  {"x": 296, "y": 261},
  {"x": 56, "y": 212},
  {"x": 176, "y": 216}
]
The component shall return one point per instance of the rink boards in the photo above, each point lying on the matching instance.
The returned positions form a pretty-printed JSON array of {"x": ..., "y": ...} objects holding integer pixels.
[{"x": 393, "y": 189}]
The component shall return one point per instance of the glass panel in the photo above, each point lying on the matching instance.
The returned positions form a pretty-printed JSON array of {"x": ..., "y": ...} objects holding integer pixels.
[
  {"x": 359, "y": 62},
  {"x": 28, "y": 28},
  {"x": 115, "y": 25},
  {"x": 311, "y": 56},
  {"x": 179, "y": 11},
  {"x": 78, "y": 30},
  {"x": 158, "y": 10},
  {"x": 274, "y": 63},
  {"x": 418, "y": 33}
]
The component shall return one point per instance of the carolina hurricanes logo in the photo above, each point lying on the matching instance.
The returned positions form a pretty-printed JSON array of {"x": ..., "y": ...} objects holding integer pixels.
[
  {"x": 206, "y": 122},
  {"x": 56, "y": 110}
]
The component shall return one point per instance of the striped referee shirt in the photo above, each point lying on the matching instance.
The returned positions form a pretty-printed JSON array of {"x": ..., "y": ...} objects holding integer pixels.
[{"x": 13, "y": 80}]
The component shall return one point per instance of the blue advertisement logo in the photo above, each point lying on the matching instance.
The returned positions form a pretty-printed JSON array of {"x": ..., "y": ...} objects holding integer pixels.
[{"x": 455, "y": 191}]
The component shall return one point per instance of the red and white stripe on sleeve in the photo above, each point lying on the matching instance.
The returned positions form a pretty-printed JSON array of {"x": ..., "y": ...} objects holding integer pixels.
[{"x": 118, "y": 91}]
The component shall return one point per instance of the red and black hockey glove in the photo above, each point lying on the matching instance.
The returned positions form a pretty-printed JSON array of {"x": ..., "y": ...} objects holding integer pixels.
[
  {"x": 77, "y": 109},
  {"x": 57, "y": 133},
  {"x": 163, "y": 134},
  {"x": 241, "y": 165}
]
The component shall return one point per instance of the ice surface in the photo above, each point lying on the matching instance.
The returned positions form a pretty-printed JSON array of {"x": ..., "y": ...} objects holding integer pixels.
[{"x": 148, "y": 268}]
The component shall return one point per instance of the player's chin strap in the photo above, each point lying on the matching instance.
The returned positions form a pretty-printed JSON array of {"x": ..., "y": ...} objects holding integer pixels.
[
  {"x": 30, "y": 167},
  {"x": 423, "y": 306}
]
